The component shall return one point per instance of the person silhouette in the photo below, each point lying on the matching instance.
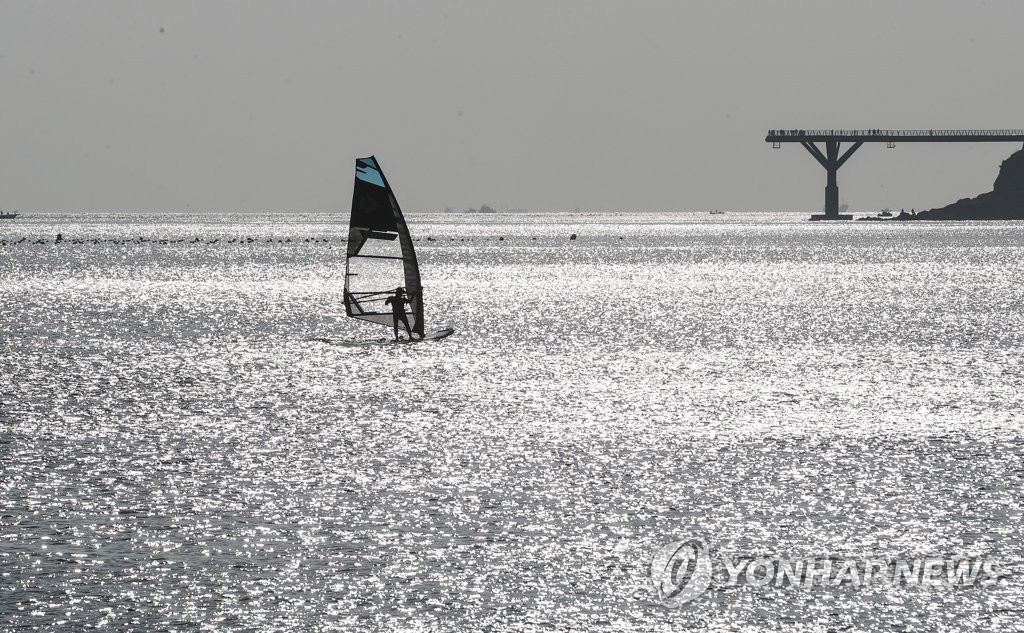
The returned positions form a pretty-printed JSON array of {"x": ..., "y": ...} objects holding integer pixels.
[{"x": 397, "y": 303}]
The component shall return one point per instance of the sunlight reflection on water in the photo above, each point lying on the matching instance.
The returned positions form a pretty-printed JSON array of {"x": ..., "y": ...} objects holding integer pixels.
[{"x": 192, "y": 437}]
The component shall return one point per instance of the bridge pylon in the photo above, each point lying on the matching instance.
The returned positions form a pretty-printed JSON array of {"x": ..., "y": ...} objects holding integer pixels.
[{"x": 831, "y": 161}]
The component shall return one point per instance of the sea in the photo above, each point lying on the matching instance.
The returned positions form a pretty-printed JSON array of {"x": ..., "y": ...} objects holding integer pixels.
[{"x": 193, "y": 437}]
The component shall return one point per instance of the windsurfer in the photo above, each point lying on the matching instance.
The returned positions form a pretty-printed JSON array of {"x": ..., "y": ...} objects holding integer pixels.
[{"x": 397, "y": 303}]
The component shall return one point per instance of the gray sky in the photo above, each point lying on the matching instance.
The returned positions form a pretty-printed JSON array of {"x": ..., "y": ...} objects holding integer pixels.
[{"x": 259, "y": 106}]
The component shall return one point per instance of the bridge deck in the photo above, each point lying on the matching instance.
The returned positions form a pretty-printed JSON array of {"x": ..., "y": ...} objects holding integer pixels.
[{"x": 892, "y": 136}]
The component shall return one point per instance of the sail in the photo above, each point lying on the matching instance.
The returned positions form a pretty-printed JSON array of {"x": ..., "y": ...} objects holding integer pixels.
[{"x": 380, "y": 255}]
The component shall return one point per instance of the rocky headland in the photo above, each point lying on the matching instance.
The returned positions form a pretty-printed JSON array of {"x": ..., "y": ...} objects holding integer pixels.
[{"x": 1004, "y": 202}]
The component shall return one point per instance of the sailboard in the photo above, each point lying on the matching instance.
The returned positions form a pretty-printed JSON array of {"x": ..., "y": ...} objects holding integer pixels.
[{"x": 380, "y": 256}]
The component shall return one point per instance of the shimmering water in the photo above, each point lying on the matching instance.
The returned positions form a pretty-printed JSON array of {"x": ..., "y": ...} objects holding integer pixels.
[{"x": 179, "y": 449}]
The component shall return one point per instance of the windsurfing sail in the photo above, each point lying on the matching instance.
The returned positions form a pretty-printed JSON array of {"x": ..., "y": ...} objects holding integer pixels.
[{"x": 380, "y": 255}]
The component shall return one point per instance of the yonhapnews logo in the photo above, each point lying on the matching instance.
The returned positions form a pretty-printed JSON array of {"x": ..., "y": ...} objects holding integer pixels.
[{"x": 683, "y": 570}]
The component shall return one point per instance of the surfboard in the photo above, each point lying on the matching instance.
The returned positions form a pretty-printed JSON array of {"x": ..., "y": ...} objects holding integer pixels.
[
  {"x": 435, "y": 335},
  {"x": 439, "y": 334}
]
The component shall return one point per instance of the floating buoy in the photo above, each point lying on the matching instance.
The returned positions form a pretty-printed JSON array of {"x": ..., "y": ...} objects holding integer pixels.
[{"x": 572, "y": 237}]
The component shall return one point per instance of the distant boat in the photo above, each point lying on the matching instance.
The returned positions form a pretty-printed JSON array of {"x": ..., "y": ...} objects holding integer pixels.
[
  {"x": 885, "y": 213},
  {"x": 8, "y": 216},
  {"x": 716, "y": 212},
  {"x": 375, "y": 266}
]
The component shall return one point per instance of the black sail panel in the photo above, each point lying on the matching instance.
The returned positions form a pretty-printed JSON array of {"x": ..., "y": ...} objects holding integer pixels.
[
  {"x": 372, "y": 206},
  {"x": 380, "y": 255}
]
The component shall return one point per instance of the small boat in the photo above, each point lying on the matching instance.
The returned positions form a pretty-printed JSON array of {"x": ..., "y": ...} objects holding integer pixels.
[
  {"x": 716, "y": 212},
  {"x": 381, "y": 271},
  {"x": 7, "y": 216}
]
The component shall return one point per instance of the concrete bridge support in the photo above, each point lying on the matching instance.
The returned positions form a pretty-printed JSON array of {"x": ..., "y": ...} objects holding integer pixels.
[{"x": 831, "y": 161}]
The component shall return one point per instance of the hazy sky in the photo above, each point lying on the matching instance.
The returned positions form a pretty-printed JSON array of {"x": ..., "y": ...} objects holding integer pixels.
[{"x": 257, "y": 106}]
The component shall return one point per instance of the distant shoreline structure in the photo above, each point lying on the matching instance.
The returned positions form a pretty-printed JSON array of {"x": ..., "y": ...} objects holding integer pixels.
[{"x": 486, "y": 209}]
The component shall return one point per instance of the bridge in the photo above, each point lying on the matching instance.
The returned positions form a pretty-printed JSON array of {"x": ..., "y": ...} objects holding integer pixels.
[{"x": 832, "y": 160}]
